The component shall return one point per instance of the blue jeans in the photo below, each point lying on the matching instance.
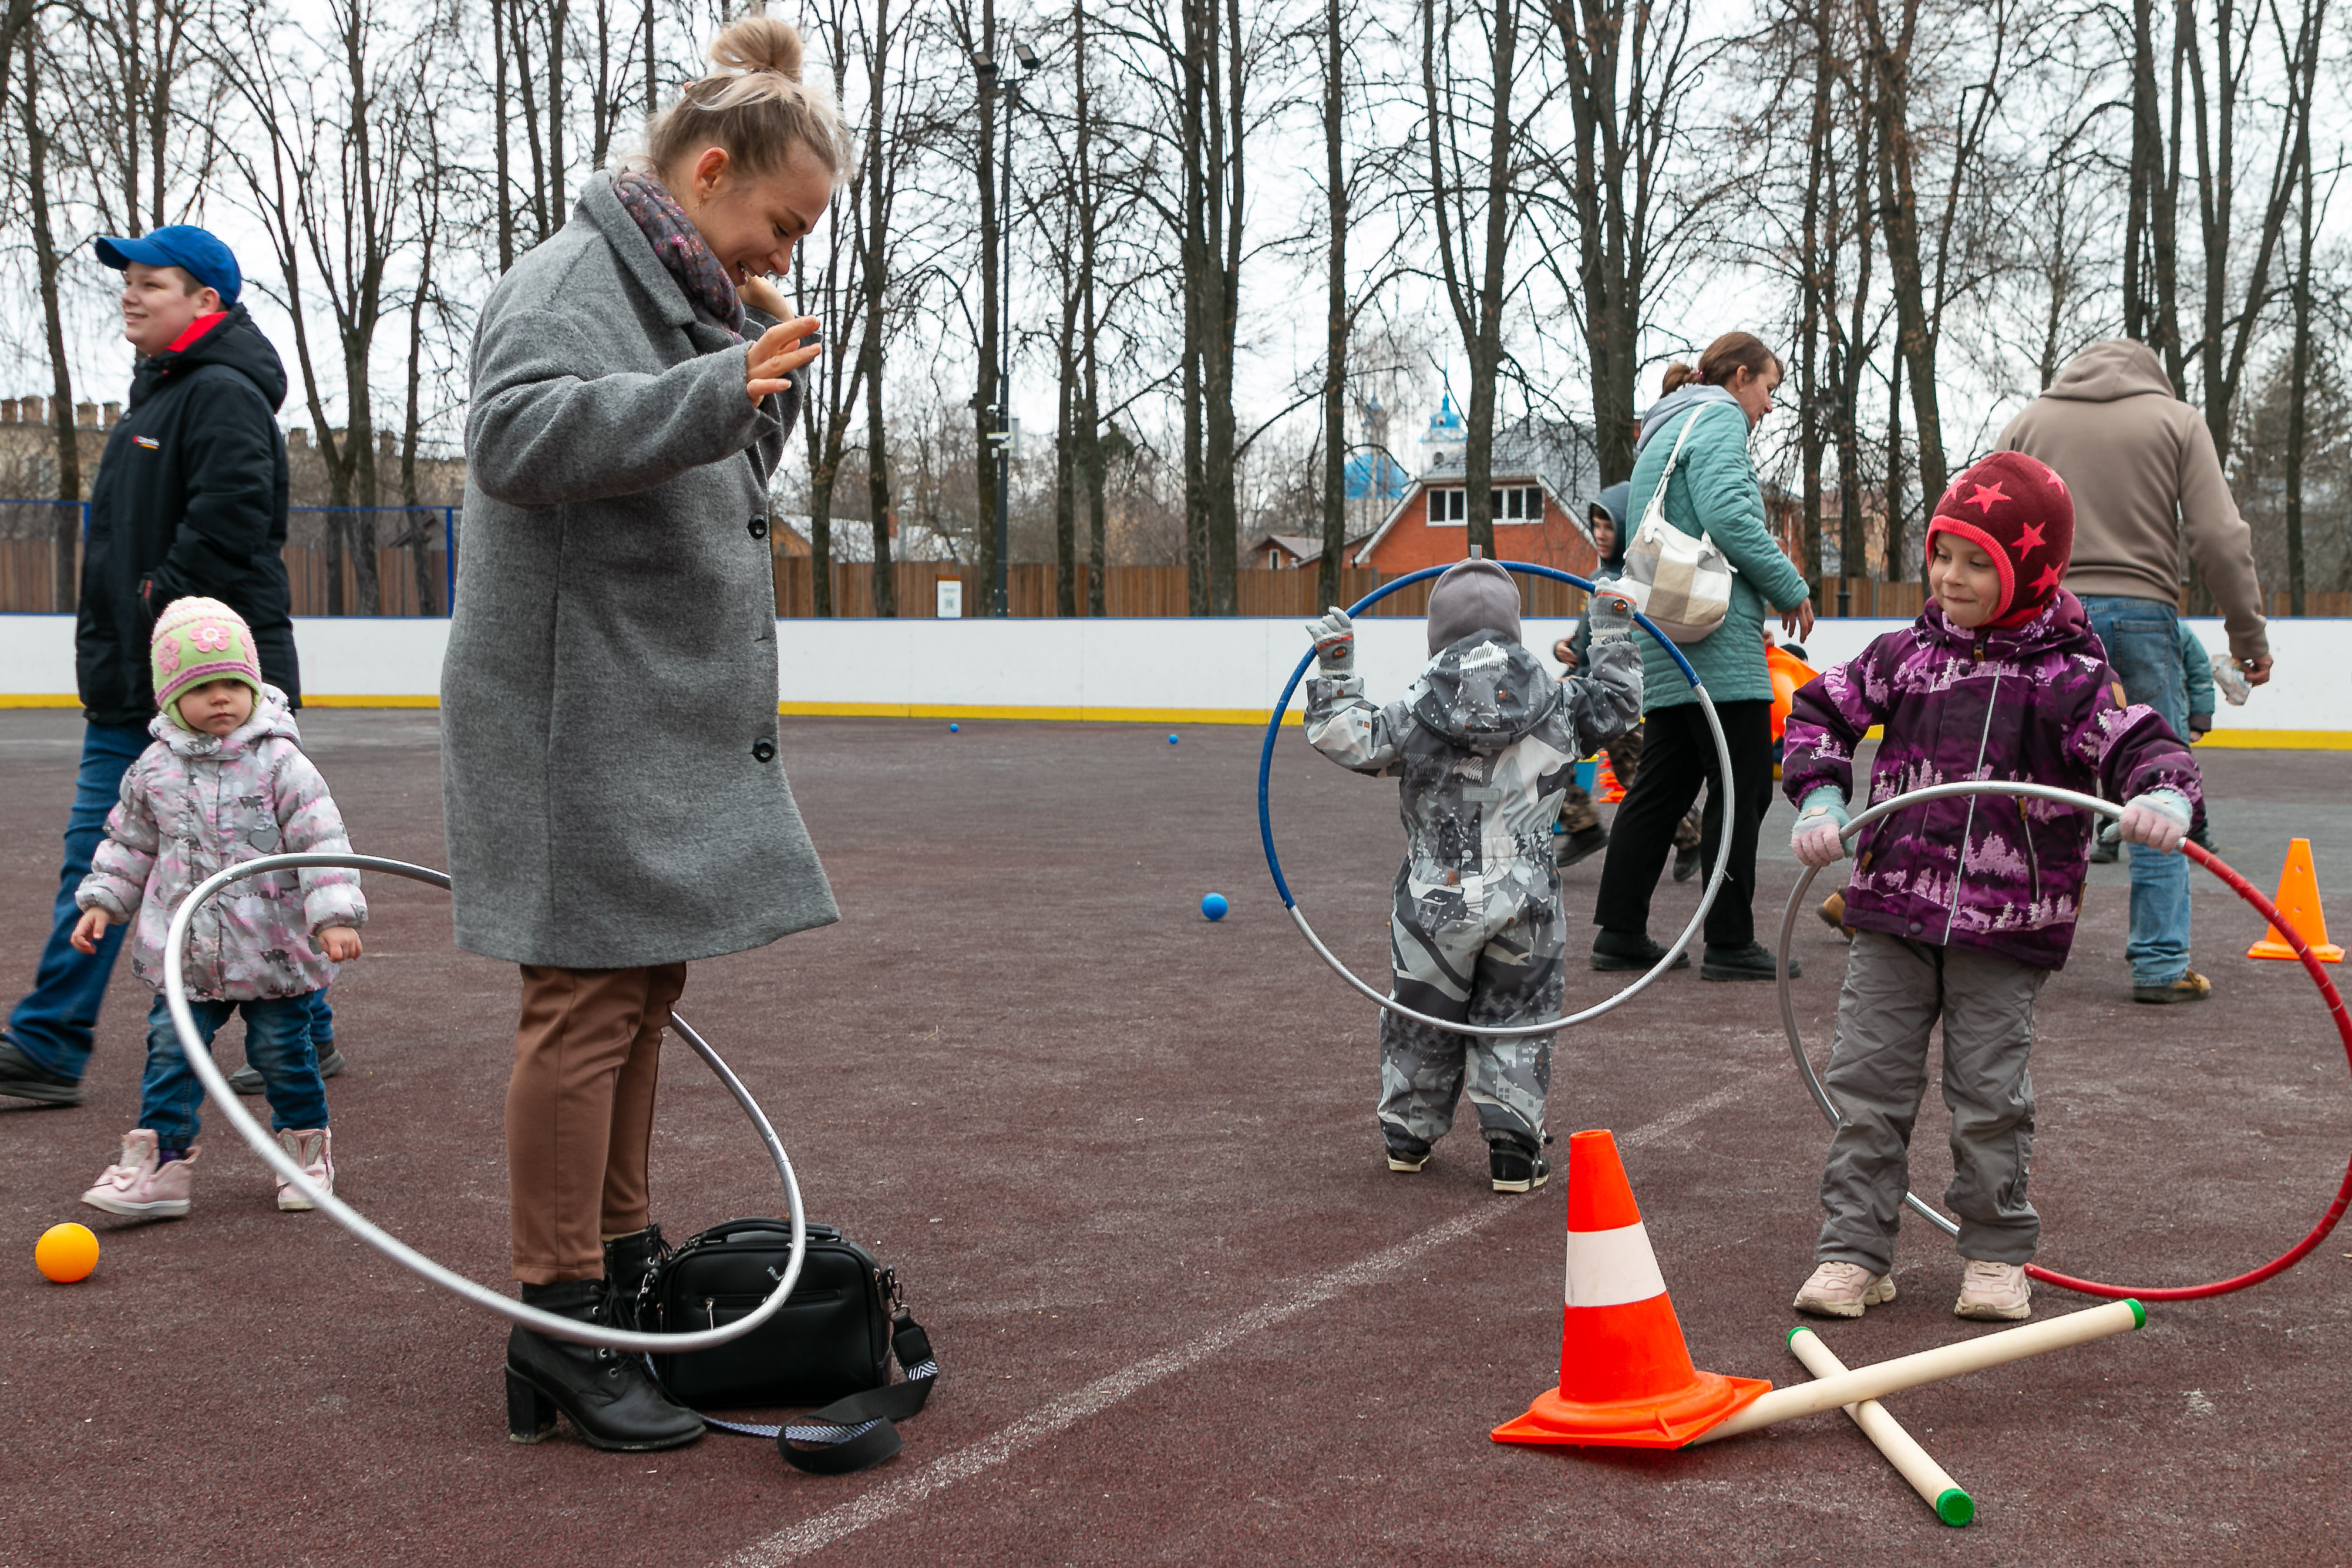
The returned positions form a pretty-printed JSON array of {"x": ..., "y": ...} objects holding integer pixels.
[
  {"x": 55, "y": 1022},
  {"x": 276, "y": 1045},
  {"x": 322, "y": 1020},
  {"x": 2143, "y": 643}
]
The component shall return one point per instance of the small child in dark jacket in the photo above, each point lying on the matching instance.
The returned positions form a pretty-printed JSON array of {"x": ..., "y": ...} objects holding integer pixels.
[
  {"x": 1962, "y": 907},
  {"x": 1486, "y": 745}
]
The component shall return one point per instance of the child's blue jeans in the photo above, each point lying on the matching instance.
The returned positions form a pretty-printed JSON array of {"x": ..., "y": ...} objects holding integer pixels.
[{"x": 276, "y": 1045}]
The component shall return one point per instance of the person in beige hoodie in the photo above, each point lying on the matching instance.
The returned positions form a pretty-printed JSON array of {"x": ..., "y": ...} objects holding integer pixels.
[{"x": 2146, "y": 480}]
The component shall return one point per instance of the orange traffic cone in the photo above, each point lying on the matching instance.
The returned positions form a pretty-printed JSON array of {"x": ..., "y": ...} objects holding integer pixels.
[
  {"x": 1625, "y": 1374},
  {"x": 1605, "y": 787},
  {"x": 2298, "y": 900}
]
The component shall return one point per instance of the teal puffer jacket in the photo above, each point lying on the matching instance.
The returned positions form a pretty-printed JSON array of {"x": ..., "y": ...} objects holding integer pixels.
[{"x": 1715, "y": 490}]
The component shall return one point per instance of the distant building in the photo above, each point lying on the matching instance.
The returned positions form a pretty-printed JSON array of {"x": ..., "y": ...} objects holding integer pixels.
[
  {"x": 1284, "y": 551},
  {"x": 853, "y": 539},
  {"x": 1542, "y": 476}
]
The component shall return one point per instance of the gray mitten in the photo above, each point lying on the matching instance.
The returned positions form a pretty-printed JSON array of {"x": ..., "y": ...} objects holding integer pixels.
[
  {"x": 1335, "y": 642},
  {"x": 1611, "y": 616}
]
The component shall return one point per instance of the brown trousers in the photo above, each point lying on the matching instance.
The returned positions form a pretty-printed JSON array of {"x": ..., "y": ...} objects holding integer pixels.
[{"x": 580, "y": 1112}]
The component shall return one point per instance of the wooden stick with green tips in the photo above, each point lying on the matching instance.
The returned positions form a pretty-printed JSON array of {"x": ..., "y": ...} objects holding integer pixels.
[{"x": 1928, "y": 1478}]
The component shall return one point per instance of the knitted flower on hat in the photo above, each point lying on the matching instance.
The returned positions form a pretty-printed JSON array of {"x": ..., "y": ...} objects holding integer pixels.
[
  {"x": 2016, "y": 509},
  {"x": 195, "y": 641}
]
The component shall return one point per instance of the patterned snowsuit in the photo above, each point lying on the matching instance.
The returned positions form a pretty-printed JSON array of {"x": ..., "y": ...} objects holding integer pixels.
[{"x": 1485, "y": 744}]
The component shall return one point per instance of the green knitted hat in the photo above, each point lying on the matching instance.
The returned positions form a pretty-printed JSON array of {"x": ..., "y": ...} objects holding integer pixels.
[{"x": 197, "y": 640}]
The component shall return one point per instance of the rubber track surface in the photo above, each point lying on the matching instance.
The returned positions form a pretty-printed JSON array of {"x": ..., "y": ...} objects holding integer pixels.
[{"x": 1125, "y": 1160}]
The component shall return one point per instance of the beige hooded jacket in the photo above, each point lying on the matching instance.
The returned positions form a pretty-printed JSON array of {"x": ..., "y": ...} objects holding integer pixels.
[{"x": 2143, "y": 471}]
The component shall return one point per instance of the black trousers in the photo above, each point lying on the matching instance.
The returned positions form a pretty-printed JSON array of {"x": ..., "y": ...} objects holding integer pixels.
[{"x": 1677, "y": 758}]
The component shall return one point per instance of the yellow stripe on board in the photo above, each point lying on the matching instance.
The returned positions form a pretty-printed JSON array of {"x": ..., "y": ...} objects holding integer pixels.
[
  {"x": 2279, "y": 740},
  {"x": 1068, "y": 715},
  {"x": 37, "y": 700}
]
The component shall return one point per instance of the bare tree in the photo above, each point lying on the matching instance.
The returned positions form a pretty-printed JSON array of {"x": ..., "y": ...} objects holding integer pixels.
[
  {"x": 1476, "y": 201},
  {"x": 1631, "y": 68},
  {"x": 34, "y": 111}
]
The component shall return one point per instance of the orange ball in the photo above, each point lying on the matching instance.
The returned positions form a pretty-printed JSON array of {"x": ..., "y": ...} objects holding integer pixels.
[{"x": 65, "y": 1252}]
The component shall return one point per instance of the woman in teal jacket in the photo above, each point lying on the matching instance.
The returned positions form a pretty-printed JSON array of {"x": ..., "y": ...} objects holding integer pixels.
[{"x": 1715, "y": 491}]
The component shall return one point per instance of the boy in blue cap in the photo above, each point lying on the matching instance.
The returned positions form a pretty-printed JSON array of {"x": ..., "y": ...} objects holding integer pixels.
[{"x": 189, "y": 502}]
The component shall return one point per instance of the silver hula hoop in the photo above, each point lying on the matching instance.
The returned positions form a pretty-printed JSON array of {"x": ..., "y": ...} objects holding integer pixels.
[
  {"x": 1498, "y": 1031},
  {"x": 1829, "y": 1108},
  {"x": 176, "y": 996}
]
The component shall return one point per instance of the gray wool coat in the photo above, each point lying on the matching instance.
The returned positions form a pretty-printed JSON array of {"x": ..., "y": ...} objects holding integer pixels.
[{"x": 610, "y": 773}]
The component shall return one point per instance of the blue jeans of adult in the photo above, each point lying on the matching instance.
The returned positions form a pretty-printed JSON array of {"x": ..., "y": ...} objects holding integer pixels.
[
  {"x": 276, "y": 1044},
  {"x": 2143, "y": 643},
  {"x": 56, "y": 1021}
]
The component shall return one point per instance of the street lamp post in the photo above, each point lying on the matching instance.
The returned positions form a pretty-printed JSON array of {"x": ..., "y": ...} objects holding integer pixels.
[{"x": 994, "y": 78}]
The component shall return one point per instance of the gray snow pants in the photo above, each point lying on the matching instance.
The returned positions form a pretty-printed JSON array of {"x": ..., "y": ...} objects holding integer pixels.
[
  {"x": 1488, "y": 947},
  {"x": 1893, "y": 993}
]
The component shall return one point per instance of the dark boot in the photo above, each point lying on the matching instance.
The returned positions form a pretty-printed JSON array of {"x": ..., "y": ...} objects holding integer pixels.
[
  {"x": 1582, "y": 845},
  {"x": 628, "y": 1261},
  {"x": 22, "y": 1078},
  {"x": 611, "y": 1399},
  {"x": 1624, "y": 949}
]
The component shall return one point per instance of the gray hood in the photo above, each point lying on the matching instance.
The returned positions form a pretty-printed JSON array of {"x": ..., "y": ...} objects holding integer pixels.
[
  {"x": 1674, "y": 402},
  {"x": 2116, "y": 368},
  {"x": 1483, "y": 694}
]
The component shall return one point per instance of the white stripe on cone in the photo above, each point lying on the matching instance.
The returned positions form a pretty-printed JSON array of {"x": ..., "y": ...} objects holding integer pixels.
[{"x": 1611, "y": 1267}]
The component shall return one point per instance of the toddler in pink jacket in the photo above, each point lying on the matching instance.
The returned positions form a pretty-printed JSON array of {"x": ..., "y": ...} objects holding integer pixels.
[{"x": 225, "y": 781}]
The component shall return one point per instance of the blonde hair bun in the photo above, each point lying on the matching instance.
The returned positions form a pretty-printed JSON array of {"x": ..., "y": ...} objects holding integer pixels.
[{"x": 758, "y": 44}]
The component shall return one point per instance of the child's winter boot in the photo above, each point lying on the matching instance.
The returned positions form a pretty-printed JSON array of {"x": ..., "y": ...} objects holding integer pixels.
[
  {"x": 143, "y": 1184},
  {"x": 309, "y": 1149},
  {"x": 1513, "y": 1166}
]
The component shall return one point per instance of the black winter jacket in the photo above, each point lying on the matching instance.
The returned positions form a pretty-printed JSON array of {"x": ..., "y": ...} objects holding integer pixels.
[{"x": 190, "y": 498}]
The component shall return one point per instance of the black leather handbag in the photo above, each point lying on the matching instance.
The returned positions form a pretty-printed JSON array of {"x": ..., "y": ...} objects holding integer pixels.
[{"x": 831, "y": 1345}]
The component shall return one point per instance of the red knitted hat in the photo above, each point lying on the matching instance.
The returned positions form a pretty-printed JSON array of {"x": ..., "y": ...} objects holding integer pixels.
[{"x": 2016, "y": 509}]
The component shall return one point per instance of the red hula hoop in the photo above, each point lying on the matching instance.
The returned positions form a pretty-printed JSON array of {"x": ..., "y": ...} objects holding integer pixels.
[{"x": 2336, "y": 1010}]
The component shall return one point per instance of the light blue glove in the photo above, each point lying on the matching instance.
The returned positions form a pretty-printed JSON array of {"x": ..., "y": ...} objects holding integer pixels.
[
  {"x": 1335, "y": 642},
  {"x": 1817, "y": 839}
]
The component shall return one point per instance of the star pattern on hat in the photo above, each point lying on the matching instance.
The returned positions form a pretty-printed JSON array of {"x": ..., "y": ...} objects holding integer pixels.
[
  {"x": 1986, "y": 495},
  {"x": 2030, "y": 537},
  {"x": 2051, "y": 576}
]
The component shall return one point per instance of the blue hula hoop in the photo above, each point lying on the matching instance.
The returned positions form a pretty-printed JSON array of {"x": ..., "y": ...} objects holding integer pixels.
[{"x": 1282, "y": 884}]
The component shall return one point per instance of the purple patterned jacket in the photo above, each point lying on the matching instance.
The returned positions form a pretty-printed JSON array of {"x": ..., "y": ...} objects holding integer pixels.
[{"x": 2038, "y": 704}]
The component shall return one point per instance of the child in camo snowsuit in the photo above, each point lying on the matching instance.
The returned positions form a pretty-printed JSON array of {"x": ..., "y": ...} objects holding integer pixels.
[
  {"x": 1485, "y": 744},
  {"x": 1963, "y": 906}
]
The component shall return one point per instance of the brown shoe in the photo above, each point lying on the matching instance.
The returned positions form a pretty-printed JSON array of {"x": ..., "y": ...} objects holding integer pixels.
[{"x": 2190, "y": 987}]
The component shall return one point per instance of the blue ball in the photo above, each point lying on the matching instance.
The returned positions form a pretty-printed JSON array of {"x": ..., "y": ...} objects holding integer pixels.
[
  {"x": 1171, "y": 739},
  {"x": 1214, "y": 905},
  {"x": 953, "y": 727}
]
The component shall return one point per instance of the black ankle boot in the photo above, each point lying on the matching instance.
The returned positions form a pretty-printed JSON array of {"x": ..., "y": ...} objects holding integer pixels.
[
  {"x": 612, "y": 1400},
  {"x": 628, "y": 1259}
]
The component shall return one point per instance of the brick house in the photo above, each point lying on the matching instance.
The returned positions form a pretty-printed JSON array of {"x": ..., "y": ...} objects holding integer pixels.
[{"x": 1542, "y": 477}]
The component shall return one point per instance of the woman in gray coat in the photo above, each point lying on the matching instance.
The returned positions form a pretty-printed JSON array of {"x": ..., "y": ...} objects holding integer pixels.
[{"x": 614, "y": 799}]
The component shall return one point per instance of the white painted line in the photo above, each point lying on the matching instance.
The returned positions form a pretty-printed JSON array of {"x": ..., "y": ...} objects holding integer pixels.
[{"x": 896, "y": 1497}]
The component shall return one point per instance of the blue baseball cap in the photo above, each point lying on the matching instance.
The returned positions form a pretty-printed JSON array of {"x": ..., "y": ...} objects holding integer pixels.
[{"x": 193, "y": 250}]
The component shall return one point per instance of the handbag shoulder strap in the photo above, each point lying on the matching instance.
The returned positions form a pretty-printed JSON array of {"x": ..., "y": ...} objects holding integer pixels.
[
  {"x": 851, "y": 1434},
  {"x": 1672, "y": 457}
]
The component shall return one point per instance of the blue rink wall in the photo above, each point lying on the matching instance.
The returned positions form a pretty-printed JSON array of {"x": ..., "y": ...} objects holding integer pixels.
[{"x": 1197, "y": 671}]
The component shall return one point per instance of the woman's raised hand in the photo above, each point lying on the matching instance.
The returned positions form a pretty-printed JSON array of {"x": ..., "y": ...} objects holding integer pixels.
[
  {"x": 778, "y": 354},
  {"x": 764, "y": 296},
  {"x": 1798, "y": 622}
]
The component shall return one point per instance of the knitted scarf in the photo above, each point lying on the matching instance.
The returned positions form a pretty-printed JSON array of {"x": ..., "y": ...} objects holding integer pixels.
[{"x": 681, "y": 250}]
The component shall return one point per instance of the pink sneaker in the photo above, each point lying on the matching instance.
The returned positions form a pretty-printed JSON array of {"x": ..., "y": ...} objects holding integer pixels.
[
  {"x": 140, "y": 1187},
  {"x": 307, "y": 1149}
]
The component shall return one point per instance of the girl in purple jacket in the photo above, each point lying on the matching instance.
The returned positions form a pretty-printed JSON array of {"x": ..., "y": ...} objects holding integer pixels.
[{"x": 1962, "y": 907}]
